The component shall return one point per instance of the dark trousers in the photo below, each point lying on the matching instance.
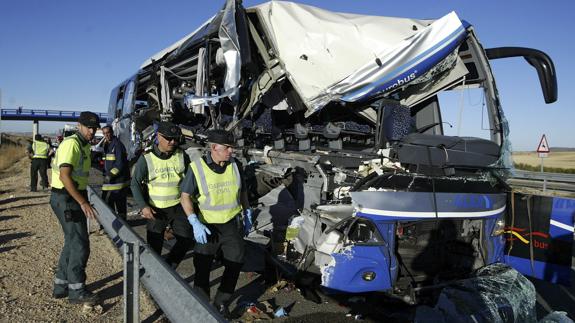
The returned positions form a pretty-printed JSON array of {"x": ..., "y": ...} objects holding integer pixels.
[
  {"x": 116, "y": 200},
  {"x": 76, "y": 250},
  {"x": 226, "y": 237},
  {"x": 178, "y": 221},
  {"x": 38, "y": 165}
]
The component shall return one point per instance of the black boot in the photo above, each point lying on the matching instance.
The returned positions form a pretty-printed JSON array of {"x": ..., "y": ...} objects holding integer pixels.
[
  {"x": 60, "y": 291},
  {"x": 83, "y": 297},
  {"x": 221, "y": 303}
]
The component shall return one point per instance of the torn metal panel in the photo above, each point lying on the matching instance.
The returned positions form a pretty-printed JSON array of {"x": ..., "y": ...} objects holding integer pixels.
[{"x": 330, "y": 55}]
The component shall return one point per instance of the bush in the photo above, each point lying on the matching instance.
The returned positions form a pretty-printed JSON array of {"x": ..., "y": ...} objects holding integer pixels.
[{"x": 546, "y": 169}]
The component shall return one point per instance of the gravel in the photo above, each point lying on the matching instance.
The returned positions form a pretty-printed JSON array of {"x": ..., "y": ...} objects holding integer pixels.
[{"x": 30, "y": 243}]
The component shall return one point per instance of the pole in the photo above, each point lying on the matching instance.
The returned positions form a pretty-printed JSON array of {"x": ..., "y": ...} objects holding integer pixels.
[
  {"x": 131, "y": 282},
  {"x": 544, "y": 179}
]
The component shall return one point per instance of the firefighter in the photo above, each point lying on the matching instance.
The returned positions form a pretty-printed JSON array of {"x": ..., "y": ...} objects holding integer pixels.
[
  {"x": 213, "y": 196},
  {"x": 156, "y": 189},
  {"x": 69, "y": 201},
  {"x": 116, "y": 173},
  {"x": 39, "y": 152}
]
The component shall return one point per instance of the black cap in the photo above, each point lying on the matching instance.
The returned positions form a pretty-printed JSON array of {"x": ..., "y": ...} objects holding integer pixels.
[
  {"x": 222, "y": 137},
  {"x": 89, "y": 119},
  {"x": 168, "y": 129},
  {"x": 38, "y": 137}
]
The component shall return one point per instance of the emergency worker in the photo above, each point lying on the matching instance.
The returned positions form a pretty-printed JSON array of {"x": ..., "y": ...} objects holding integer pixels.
[
  {"x": 156, "y": 189},
  {"x": 39, "y": 152},
  {"x": 214, "y": 196},
  {"x": 116, "y": 173},
  {"x": 69, "y": 201}
]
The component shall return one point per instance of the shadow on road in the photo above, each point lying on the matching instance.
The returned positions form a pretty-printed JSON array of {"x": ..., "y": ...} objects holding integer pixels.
[
  {"x": 4, "y": 249},
  {"x": 102, "y": 282},
  {"x": 154, "y": 316},
  {"x": 23, "y": 206},
  {"x": 13, "y": 236},
  {"x": 14, "y": 199},
  {"x": 8, "y": 217}
]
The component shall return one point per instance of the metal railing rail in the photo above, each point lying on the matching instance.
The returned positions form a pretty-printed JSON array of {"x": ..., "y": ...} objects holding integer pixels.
[
  {"x": 175, "y": 297},
  {"x": 551, "y": 177},
  {"x": 44, "y": 114}
]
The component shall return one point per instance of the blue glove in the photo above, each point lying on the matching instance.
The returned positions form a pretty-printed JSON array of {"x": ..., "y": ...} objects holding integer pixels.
[
  {"x": 200, "y": 230},
  {"x": 248, "y": 221}
]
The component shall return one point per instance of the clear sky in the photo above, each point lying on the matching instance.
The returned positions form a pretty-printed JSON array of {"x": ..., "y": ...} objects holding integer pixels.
[{"x": 68, "y": 54}]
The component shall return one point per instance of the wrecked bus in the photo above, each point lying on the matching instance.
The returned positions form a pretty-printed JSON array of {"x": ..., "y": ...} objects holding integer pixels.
[{"x": 340, "y": 122}]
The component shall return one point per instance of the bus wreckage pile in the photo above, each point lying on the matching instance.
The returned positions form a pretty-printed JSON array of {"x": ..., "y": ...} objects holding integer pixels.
[{"x": 338, "y": 121}]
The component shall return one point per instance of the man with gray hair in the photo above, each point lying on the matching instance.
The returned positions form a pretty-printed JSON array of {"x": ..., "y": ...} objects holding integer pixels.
[{"x": 215, "y": 198}]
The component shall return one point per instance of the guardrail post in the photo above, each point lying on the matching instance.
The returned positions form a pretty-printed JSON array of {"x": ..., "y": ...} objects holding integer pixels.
[{"x": 131, "y": 282}]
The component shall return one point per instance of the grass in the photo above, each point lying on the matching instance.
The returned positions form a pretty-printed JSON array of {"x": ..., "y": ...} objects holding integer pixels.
[
  {"x": 564, "y": 160},
  {"x": 556, "y": 162},
  {"x": 546, "y": 169},
  {"x": 12, "y": 149},
  {"x": 10, "y": 154}
]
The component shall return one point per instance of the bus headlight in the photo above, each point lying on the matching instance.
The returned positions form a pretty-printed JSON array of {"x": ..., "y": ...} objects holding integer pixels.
[{"x": 368, "y": 276}]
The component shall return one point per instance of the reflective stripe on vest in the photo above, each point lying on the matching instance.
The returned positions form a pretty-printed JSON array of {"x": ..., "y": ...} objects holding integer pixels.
[
  {"x": 40, "y": 149},
  {"x": 80, "y": 171},
  {"x": 219, "y": 199},
  {"x": 164, "y": 177},
  {"x": 115, "y": 186},
  {"x": 110, "y": 157}
]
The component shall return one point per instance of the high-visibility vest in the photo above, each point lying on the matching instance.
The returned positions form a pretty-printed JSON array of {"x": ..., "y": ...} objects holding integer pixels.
[
  {"x": 40, "y": 149},
  {"x": 219, "y": 198},
  {"x": 71, "y": 151},
  {"x": 164, "y": 177}
]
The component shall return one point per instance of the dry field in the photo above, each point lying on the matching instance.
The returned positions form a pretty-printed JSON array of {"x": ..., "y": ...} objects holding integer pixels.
[
  {"x": 555, "y": 159},
  {"x": 13, "y": 148},
  {"x": 30, "y": 243}
]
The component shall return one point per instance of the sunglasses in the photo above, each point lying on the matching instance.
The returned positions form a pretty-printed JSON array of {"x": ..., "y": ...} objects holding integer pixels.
[{"x": 169, "y": 138}]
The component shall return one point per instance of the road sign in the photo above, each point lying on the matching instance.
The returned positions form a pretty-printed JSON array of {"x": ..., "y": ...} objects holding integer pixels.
[{"x": 543, "y": 145}]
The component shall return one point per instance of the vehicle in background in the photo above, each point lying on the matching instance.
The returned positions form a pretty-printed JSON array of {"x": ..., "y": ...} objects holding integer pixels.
[
  {"x": 68, "y": 130},
  {"x": 341, "y": 121},
  {"x": 97, "y": 150}
]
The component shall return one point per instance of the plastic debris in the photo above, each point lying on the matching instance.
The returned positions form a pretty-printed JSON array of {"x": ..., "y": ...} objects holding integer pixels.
[
  {"x": 279, "y": 285},
  {"x": 280, "y": 312},
  {"x": 253, "y": 313},
  {"x": 556, "y": 317}
]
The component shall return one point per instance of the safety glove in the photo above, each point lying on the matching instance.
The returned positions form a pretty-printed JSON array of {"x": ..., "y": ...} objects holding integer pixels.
[
  {"x": 200, "y": 230},
  {"x": 248, "y": 221}
]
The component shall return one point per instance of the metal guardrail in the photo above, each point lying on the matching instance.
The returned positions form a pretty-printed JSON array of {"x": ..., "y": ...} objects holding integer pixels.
[
  {"x": 43, "y": 114},
  {"x": 551, "y": 177},
  {"x": 175, "y": 297}
]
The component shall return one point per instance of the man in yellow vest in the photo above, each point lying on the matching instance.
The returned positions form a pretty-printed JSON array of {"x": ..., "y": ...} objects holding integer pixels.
[
  {"x": 156, "y": 189},
  {"x": 69, "y": 201},
  {"x": 39, "y": 152},
  {"x": 214, "y": 196}
]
